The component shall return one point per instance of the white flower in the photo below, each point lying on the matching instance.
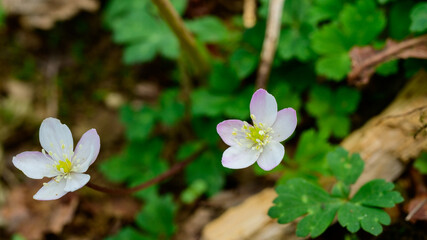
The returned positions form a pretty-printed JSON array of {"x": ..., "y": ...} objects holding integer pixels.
[
  {"x": 58, "y": 161},
  {"x": 259, "y": 142}
]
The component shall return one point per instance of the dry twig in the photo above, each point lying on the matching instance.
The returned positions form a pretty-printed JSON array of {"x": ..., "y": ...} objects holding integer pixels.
[
  {"x": 366, "y": 59},
  {"x": 269, "y": 47}
]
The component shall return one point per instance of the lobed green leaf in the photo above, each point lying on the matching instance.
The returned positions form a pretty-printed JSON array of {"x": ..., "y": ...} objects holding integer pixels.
[{"x": 344, "y": 167}]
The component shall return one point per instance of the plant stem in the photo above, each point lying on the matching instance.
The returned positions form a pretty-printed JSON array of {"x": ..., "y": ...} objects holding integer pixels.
[
  {"x": 269, "y": 46},
  {"x": 188, "y": 43},
  {"x": 172, "y": 171}
]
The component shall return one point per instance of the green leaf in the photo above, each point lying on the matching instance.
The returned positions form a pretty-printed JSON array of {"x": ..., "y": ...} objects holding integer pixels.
[
  {"x": 387, "y": 68},
  {"x": 344, "y": 167},
  {"x": 311, "y": 151},
  {"x": 346, "y": 100},
  {"x": 295, "y": 42},
  {"x": 340, "y": 190},
  {"x": 223, "y": 78},
  {"x": 286, "y": 96},
  {"x": 421, "y": 163},
  {"x": 334, "y": 124},
  {"x": 296, "y": 198},
  {"x": 311, "y": 225},
  {"x": 329, "y": 40},
  {"x": 318, "y": 104},
  {"x": 239, "y": 104},
  {"x": 419, "y": 17},
  {"x": 362, "y": 22},
  {"x": 207, "y": 103},
  {"x": 207, "y": 168},
  {"x": 180, "y": 6},
  {"x": 353, "y": 216},
  {"x": 139, "y": 162},
  {"x": 377, "y": 193},
  {"x": 296, "y": 11},
  {"x": 208, "y": 29},
  {"x": 188, "y": 149},
  {"x": 171, "y": 108},
  {"x": 138, "y": 27},
  {"x": 335, "y": 66},
  {"x": 399, "y": 20},
  {"x": 244, "y": 62},
  {"x": 325, "y": 10},
  {"x": 138, "y": 123},
  {"x": 299, "y": 76},
  {"x": 384, "y": 1},
  {"x": 299, "y": 197},
  {"x": 205, "y": 128},
  {"x": 129, "y": 233},
  {"x": 194, "y": 191},
  {"x": 157, "y": 217}
]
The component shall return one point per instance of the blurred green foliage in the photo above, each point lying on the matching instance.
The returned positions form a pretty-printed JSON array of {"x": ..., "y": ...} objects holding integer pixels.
[
  {"x": 311, "y": 63},
  {"x": 421, "y": 163}
]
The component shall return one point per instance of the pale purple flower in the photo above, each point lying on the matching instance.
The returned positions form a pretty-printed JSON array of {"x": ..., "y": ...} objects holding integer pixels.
[
  {"x": 259, "y": 142},
  {"x": 58, "y": 160}
]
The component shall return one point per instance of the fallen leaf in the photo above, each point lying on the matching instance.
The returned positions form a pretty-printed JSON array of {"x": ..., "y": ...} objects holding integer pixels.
[{"x": 31, "y": 218}]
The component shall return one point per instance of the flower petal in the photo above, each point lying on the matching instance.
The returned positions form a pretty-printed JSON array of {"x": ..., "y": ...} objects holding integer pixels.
[
  {"x": 271, "y": 156},
  {"x": 51, "y": 190},
  {"x": 239, "y": 157},
  {"x": 76, "y": 181},
  {"x": 56, "y": 138},
  {"x": 285, "y": 124},
  {"x": 225, "y": 130},
  {"x": 264, "y": 107},
  {"x": 87, "y": 150},
  {"x": 35, "y": 165}
]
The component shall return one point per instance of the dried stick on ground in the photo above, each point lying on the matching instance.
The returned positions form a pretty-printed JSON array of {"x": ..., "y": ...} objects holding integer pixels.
[
  {"x": 386, "y": 145},
  {"x": 365, "y": 60},
  {"x": 269, "y": 46}
]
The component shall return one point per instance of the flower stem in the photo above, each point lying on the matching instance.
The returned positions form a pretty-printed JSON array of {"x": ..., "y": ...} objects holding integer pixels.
[
  {"x": 172, "y": 171},
  {"x": 188, "y": 43}
]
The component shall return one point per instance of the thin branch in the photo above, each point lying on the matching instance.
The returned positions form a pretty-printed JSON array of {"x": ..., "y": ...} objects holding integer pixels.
[
  {"x": 269, "y": 47},
  {"x": 188, "y": 43},
  {"x": 365, "y": 67},
  {"x": 172, "y": 171},
  {"x": 249, "y": 13}
]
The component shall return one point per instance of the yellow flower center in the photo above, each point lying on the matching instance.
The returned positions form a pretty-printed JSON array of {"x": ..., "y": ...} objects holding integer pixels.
[
  {"x": 258, "y": 134},
  {"x": 64, "y": 166}
]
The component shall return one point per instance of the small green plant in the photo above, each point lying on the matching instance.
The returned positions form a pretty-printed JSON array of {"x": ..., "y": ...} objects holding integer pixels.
[
  {"x": 299, "y": 197},
  {"x": 421, "y": 163}
]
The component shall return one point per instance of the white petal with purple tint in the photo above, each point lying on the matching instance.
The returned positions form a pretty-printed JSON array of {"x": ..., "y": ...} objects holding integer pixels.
[
  {"x": 239, "y": 157},
  {"x": 264, "y": 107},
  {"x": 271, "y": 156},
  {"x": 51, "y": 190},
  {"x": 87, "y": 150},
  {"x": 34, "y": 165},
  {"x": 285, "y": 124},
  {"x": 56, "y": 138},
  {"x": 76, "y": 181}
]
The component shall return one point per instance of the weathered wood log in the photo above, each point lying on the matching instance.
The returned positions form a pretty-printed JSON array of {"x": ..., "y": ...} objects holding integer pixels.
[{"x": 386, "y": 143}]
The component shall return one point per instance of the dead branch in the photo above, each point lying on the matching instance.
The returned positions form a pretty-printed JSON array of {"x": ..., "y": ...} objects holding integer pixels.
[{"x": 366, "y": 59}]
